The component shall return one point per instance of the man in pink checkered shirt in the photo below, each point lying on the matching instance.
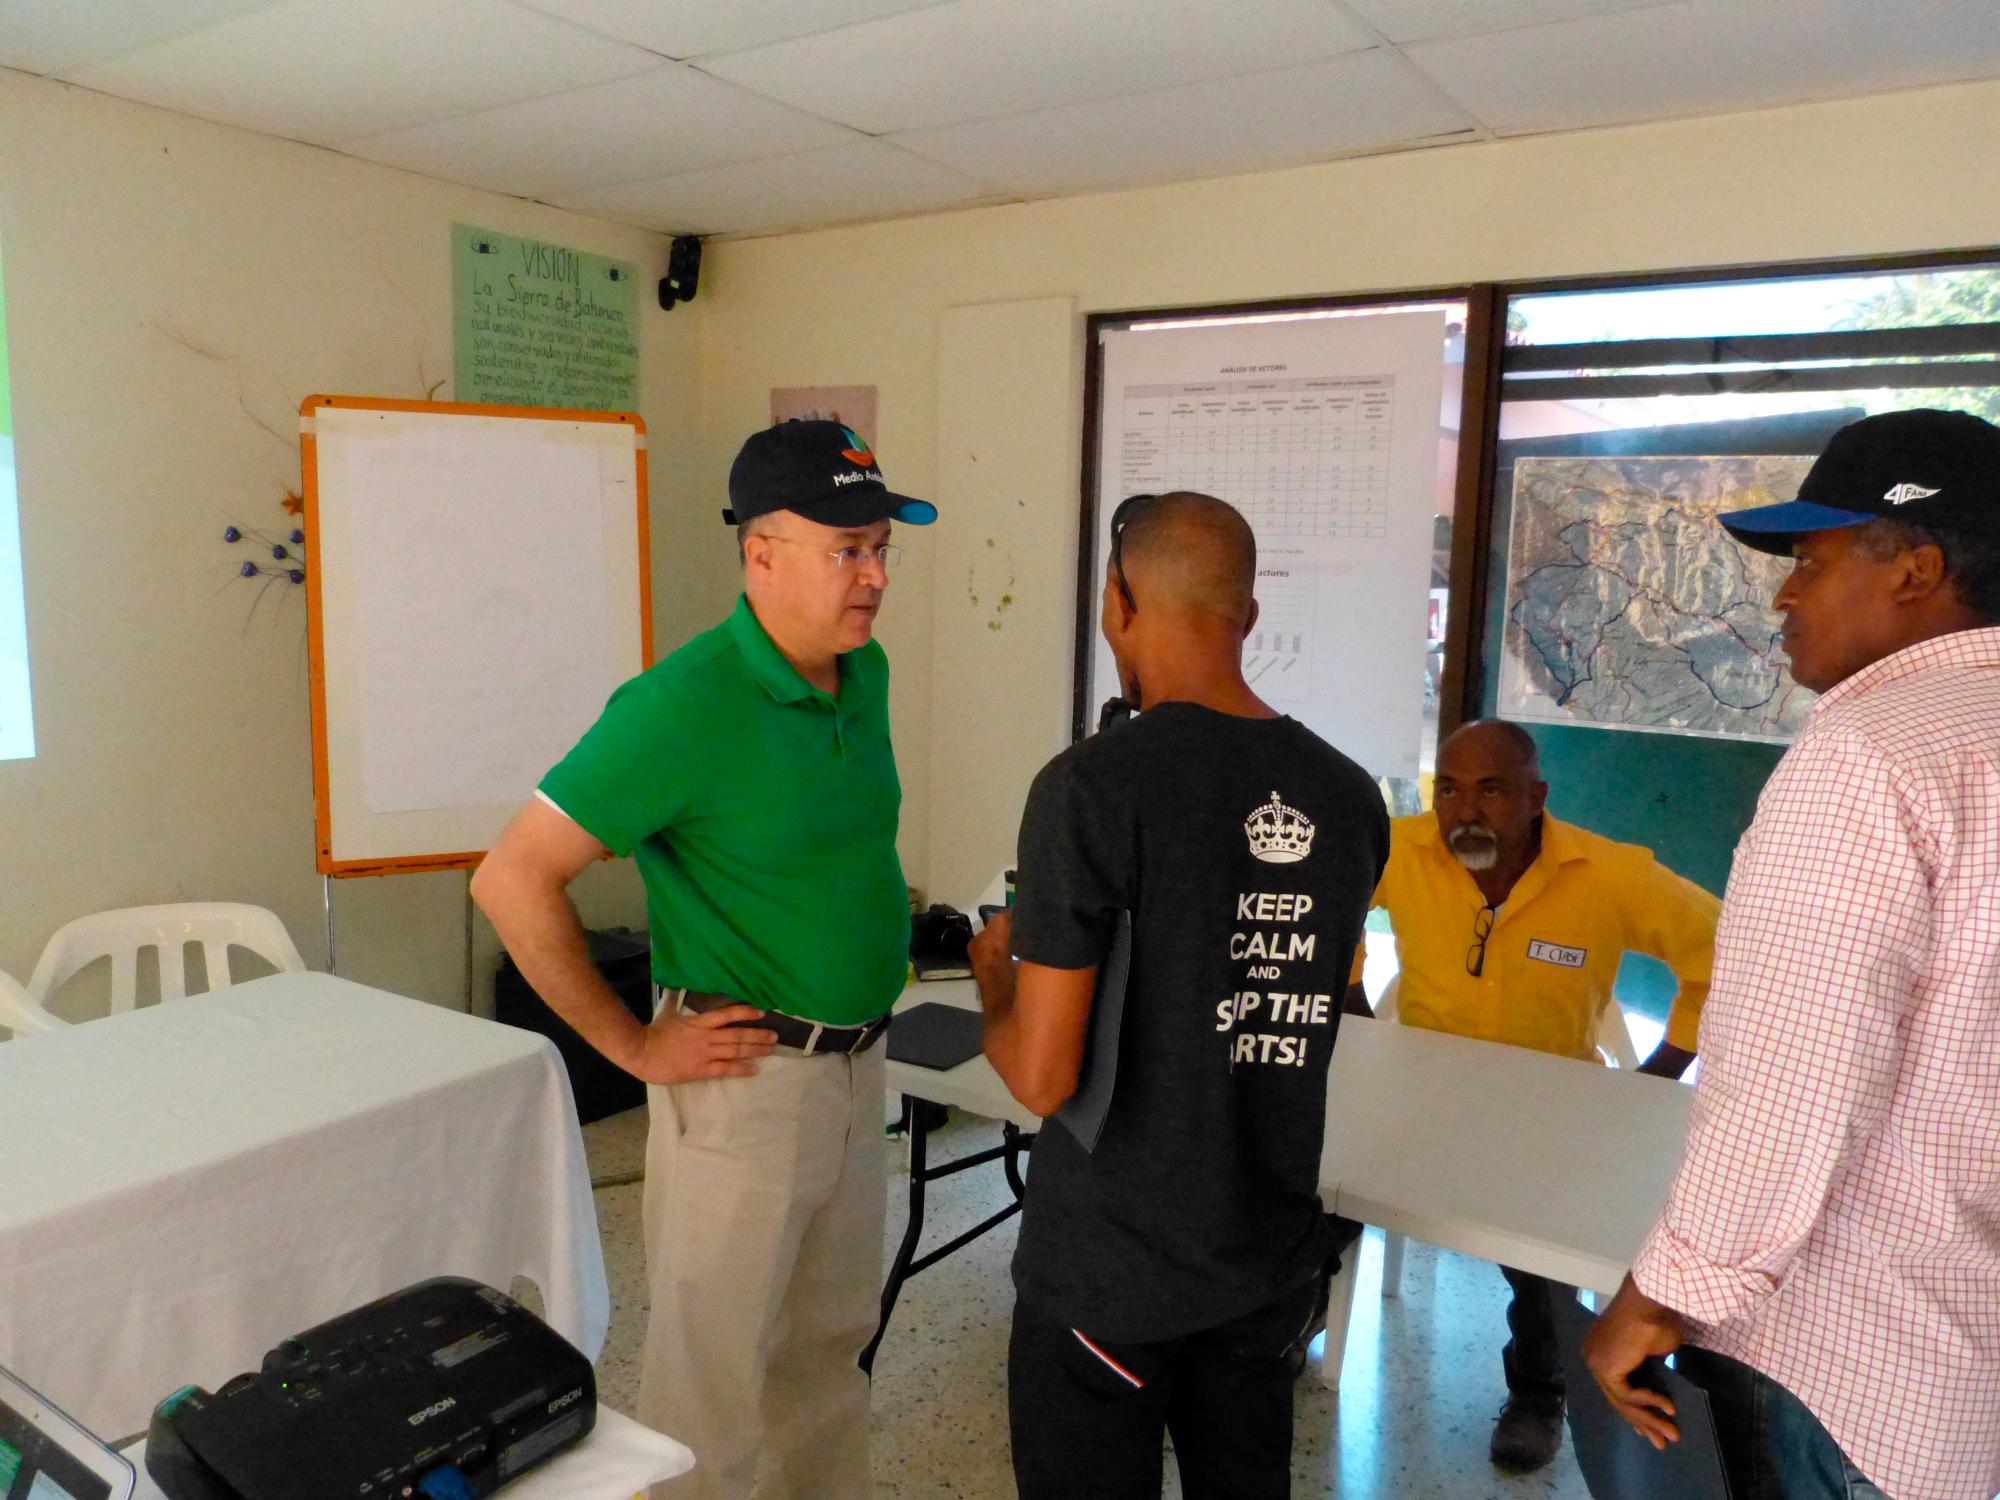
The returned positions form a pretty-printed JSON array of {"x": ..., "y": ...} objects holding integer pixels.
[{"x": 1828, "y": 1262}]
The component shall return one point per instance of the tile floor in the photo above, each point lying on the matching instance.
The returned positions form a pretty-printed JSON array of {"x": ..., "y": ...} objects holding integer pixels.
[{"x": 1411, "y": 1421}]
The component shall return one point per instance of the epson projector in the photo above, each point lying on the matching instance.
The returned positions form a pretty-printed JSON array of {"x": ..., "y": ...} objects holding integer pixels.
[{"x": 445, "y": 1390}]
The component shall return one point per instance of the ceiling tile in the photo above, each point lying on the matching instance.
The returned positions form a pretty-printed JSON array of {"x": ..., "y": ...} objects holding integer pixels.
[
  {"x": 47, "y": 36},
  {"x": 974, "y": 59},
  {"x": 1710, "y": 57},
  {"x": 671, "y": 120},
  {"x": 690, "y": 30},
  {"x": 861, "y": 180},
  {"x": 324, "y": 73},
  {"x": 1348, "y": 104},
  {"x": 1421, "y": 20}
]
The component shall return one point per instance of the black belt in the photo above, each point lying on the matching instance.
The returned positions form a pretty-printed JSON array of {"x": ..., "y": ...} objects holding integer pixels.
[{"x": 808, "y": 1037}]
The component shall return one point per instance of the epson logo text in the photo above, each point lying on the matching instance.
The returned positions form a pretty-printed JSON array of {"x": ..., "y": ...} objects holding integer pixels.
[{"x": 433, "y": 1410}]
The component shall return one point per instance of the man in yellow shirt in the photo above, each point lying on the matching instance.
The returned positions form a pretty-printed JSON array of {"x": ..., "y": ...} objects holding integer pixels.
[{"x": 1510, "y": 926}]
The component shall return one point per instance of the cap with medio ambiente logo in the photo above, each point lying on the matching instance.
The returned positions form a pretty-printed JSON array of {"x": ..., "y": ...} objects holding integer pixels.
[
  {"x": 1926, "y": 467},
  {"x": 820, "y": 470}
]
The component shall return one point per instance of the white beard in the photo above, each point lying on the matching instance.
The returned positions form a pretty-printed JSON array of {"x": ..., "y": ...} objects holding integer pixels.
[{"x": 1477, "y": 857}]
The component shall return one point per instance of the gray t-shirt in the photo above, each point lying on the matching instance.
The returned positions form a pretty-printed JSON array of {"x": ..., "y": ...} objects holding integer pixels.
[{"x": 1246, "y": 851}]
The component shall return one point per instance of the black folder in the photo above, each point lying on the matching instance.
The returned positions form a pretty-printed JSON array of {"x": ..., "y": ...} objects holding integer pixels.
[
  {"x": 1085, "y": 1112},
  {"x": 936, "y": 1036},
  {"x": 1618, "y": 1464}
]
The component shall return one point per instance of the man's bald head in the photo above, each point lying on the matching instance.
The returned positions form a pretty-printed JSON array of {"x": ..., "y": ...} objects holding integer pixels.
[
  {"x": 1488, "y": 795},
  {"x": 1192, "y": 554},
  {"x": 1499, "y": 738}
]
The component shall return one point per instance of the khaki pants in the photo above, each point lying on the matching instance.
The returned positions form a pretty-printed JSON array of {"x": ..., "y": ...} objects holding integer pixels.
[{"x": 763, "y": 1216}]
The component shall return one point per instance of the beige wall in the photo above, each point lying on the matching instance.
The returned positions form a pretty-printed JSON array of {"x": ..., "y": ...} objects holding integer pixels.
[
  {"x": 173, "y": 290},
  {"x": 1915, "y": 171},
  {"x": 172, "y": 725},
  {"x": 1002, "y": 625}
]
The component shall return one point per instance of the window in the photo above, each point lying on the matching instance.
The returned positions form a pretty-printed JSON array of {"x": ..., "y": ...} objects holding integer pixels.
[{"x": 1618, "y": 620}]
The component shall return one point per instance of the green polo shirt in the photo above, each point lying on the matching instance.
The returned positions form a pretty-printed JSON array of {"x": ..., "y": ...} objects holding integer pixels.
[{"x": 762, "y": 814}]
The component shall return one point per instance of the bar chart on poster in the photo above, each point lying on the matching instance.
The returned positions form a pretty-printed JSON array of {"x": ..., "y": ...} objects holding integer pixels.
[
  {"x": 1324, "y": 433},
  {"x": 17, "y": 720}
]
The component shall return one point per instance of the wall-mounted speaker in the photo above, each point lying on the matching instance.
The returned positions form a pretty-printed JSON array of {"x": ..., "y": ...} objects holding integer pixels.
[{"x": 683, "y": 270}]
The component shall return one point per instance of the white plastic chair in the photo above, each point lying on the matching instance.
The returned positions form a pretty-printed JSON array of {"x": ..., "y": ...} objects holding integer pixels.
[
  {"x": 1614, "y": 1040},
  {"x": 120, "y": 936},
  {"x": 19, "y": 1014}
]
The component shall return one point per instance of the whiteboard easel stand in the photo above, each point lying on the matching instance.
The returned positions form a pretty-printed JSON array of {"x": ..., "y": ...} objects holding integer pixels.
[
  {"x": 326, "y": 887},
  {"x": 327, "y": 882},
  {"x": 468, "y": 942}
]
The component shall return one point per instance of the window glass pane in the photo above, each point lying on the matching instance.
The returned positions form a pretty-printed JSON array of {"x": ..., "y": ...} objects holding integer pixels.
[
  {"x": 1623, "y": 626},
  {"x": 1630, "y": 418}
]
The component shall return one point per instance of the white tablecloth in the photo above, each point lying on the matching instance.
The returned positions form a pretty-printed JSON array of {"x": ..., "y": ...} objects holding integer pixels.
[
  {"x": 185, "y": 1185},
  {"x": 618, "y": 1459}
]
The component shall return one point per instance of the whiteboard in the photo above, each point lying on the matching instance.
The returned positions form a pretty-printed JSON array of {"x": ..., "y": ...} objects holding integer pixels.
[
  {"x": 476, "y": 586},
  {"x": 1324, "y": 433}
]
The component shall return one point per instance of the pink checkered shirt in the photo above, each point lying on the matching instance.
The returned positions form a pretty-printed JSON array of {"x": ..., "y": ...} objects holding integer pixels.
[{"x": 1836, "y": 1221}]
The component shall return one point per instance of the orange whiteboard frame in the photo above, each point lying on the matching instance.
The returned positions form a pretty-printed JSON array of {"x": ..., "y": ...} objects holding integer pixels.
[{"x": 309, "y": 409}]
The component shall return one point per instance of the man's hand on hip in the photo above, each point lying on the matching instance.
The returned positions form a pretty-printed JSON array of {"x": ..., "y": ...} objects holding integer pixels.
[{"x": 687, "y": 1048}]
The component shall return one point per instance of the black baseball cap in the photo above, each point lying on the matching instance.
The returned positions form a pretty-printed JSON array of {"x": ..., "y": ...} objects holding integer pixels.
[
  {"x": 822, "y": 471},
  {"x": 1926, "y": 467}
]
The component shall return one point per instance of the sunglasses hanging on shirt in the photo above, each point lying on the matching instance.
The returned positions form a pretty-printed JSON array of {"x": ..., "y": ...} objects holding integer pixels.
[
  {"x": 1118, "y": 709},
  {"x": 1482, "y": 929}
]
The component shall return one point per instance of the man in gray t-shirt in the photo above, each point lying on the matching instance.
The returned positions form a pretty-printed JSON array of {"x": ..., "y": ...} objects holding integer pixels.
[{"x": 1173, "y": 1243}]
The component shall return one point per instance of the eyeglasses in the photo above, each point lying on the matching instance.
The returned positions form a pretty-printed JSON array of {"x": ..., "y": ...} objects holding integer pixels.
[
  {"x": 1482, "y": 928},
  {"x": 1127, "y": 512},
  {"x": 850, "y": 558}
]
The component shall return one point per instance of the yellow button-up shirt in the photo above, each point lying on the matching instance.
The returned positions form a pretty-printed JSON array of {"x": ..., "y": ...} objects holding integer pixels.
[{"x": 1555, "y": 944}]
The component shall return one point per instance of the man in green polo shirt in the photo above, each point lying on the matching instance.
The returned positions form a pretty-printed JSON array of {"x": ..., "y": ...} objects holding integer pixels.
[{"x": 750, "y": 776}]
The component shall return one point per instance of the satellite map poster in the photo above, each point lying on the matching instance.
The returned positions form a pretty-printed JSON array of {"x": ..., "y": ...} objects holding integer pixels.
[{"x": 1629, "y": 607}]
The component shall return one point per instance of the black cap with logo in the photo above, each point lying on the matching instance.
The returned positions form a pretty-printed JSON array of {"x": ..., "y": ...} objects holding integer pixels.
[
  {"x": 1926, "y": 467},
  {"x": 820, "y": 470}
]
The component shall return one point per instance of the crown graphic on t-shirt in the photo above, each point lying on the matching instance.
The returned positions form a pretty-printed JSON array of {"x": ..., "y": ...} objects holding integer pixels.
[{"x": 1279, "y": 835}]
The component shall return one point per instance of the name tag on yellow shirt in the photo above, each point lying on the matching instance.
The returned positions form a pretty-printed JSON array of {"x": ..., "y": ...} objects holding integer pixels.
[{"x": 1555, "y": 953}]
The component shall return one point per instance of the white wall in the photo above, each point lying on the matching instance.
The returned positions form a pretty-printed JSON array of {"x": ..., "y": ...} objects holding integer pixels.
[
  {"x": 1913, "y": 172},
  {"x": 1005, "y": 574},
  {"x": 174, "y": 288}
]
